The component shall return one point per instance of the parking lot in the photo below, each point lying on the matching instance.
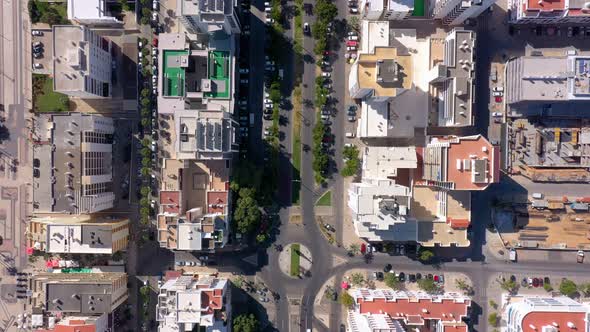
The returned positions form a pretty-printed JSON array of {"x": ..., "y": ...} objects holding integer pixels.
[{"x": 43, "y": 61}]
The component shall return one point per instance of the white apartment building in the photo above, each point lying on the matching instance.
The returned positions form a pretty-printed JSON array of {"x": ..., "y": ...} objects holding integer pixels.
[
  {"x": 533, "y": 314},
  {"x": 386, "y": 9},
  {"x": 454, "y": 80},
  {"x": 380, "y": 211},
  {"x": 209, "y": 16},
  {"x": 455, "y": 12},
  {"x": 90, "y": 12},
  {"x": 82, "y": 234},
  {"x": 82, "y": 62},
  {"x": 190, "y": 301}
]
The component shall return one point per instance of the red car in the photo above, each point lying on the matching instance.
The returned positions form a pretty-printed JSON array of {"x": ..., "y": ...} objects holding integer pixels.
[
  {"x": 352, "y": 43},
  {"x": 155, "y": 42},
  {"x": 498, "y": 99}
]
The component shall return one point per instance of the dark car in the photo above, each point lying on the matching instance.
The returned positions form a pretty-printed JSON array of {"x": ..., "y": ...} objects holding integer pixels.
[
  {"x": 334, "y": 296},
  {"x": 418, "y": 276},
  {"x": 387, "y": 268},
  {"x": 429, "y": 276},
  {"x": 267, "y": 116},
  {"x": 342, "y": 328},
  {"x": 547, "y": 280},
  {"x": 412, "y": 278},
  {"x": 402, "y": 277},
  {"x": 378, "y": 275}
]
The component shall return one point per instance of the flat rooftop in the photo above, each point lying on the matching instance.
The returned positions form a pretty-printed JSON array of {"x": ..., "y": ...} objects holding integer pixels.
[
  {"x": 175, "y": 63},
  {"x": 70, "y": 57},
  {"x": 383, "y": 162},
  {"x": 368, "y": 74},
  {"x": 219, "y": 72}
]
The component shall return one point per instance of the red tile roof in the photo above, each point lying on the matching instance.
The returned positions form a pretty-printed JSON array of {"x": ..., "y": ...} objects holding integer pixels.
[
  {"x": 458, "y": 223},
  {"x": 170, "y": 201},
  {"x": 445, "y": 309},
  {"x": 472, "y": 147},
  {"x": 216, "y": 201},
  {"x": 75, "y": 328},
  {"x": 545, "y": 5},
  {"x": 539, "y": 319}
]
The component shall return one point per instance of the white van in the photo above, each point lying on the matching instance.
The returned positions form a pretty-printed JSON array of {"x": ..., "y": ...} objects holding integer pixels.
[
  {"x": 349, "y": 135},
  {"x": 538, "y": 195}
]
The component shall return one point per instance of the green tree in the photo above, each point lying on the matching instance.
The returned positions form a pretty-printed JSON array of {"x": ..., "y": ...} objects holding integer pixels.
[
  {"x": 325, "y": 10},
  {"x": 428, "y": 285},
  {"x": 145, "y": 102},
  {"x": 145, "y": 122},
  {"x": 34, "y": 12},
  {"x": 392, "y": 281},
  {"x": 426, "y": 255},
  {"x": 247, "y": 213},
  {"x": 346, "y": 300},
  {"x": 493, "y": 319},
  {"x": 353, "y": 23},
  {"x": 357, "y": 279},
  {"x": 145, "y": 190},
  {"x": 51, "y": 16},
  {"x": 145, "y": 92},
  {"x": 568, "y": 288},
  {"x": 509, "y": 286},
  {"x": 585, "y": 289},
  {"x": 493, "y": 304},
  {"x": 547, "y": 286},
  {"x": 246, "y": 323},
  {"x": 146, "y": 12},
  {"x": 144, "y": 291},
  {"x": 354, "y": 249},
  {"x": 145, "y": 20}
]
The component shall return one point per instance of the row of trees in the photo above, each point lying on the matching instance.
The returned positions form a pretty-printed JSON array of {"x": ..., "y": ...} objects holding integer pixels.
[
  {"x": 321, "y": 160},
  {"x": 326, "y": 12},
  {"x": 146, "y": 11}
]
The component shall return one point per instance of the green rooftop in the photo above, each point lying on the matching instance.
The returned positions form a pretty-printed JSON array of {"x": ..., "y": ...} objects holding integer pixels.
[
  {"x": 219, "y": 66},
  {"x": 173, "y": 80},
  {"x": 419, "y": 8},
  {"x": 76, "y": 270}
]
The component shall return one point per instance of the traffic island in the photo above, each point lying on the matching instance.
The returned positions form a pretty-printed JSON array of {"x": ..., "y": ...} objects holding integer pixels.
[{"x": 295, "y": 260}]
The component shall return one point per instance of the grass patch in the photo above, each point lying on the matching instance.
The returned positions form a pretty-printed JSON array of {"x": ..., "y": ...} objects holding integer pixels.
[
  {"x": 45, "y": 99},
  {"x": 295, "y": 257},
  {"x": 325, "y": 200}
]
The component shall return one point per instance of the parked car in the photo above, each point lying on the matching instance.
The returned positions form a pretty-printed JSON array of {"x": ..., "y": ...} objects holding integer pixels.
[
  {"x": 351, "y": 118},
  {"x": 306, "y": 28},
  {"x": 37, "y": 65},
  {"x": 155, "y": 5},
  {"x": 352, "y": 43},
  {"x": 354, "y": 10},
  {"x": 155, "y": 17},
  {"x": 353, "y": 37},
  {"x": 387, "y": 268},
  {"x": 378, "y": 275},
  {"x": 401, "y": 276},
  {"x": 244, "y": 70},
  {"x": 349, "y": 135},
  {"x": 37, "y": 33},
  {"x": 37, "y": 55},
  {"x": 497, "y": 114},
  {"x": 155, "y": 42},
  {"x": 326, "y": 74},
  {"x": 351, "y": 48}
]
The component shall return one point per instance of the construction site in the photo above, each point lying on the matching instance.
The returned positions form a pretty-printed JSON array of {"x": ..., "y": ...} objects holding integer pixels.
[
  {"x": 547, "y": 224},
  {"x": 549, "y": 149}
]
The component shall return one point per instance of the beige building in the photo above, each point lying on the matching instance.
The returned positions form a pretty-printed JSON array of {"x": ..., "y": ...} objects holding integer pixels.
[
  {"x": 194, "y": 205},
  {"x": 82, "y": 234},
  {"x": 79, "y": 293}
]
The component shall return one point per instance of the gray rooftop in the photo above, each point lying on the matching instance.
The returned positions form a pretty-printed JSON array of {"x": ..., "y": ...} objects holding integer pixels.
[
  {"x": 387, "y": 71},
  {"x": 87, "y": 298},
  {"x": 460, "y": 65}
]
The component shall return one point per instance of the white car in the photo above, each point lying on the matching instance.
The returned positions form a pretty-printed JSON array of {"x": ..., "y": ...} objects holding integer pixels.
[
  {"x": 326, "y": 74},
  {"x": 155, "y": 16},
  {"x": 244, "y": 70},
  {"x": 155, "y": 5},
  {"x": 352, "y": 33},
  {"x": 37, "y": 66},
  {"x": 497, "y": 93},
  {"x": 267, "y": 9},
  {"x": 351, "y": 48},
  {"x": 37, "y": 33},
  {"x": 354, "y": 37},
  {"x": 349, "y": 135},
  {"x": 267, "y": 4},
  {"x": 269, "y": 20},
  {"x": 154, "y": 51},
  {"x": 354, "y": 10},
  {"x": 497, "y": 114}
]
